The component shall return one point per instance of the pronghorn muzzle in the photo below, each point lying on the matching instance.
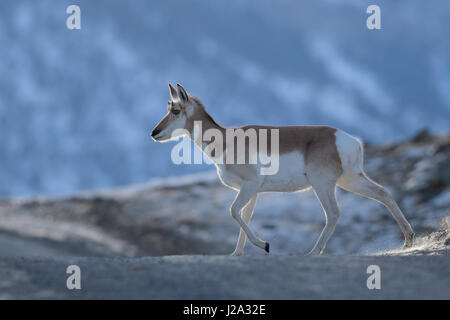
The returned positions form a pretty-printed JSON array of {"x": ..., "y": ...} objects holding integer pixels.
[{"x": 155, "y": 132}]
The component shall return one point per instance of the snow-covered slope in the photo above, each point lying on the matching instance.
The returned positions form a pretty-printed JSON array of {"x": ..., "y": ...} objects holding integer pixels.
[
  {"x": 190, "y": 215},
  {"x": 76, "y": 107}
]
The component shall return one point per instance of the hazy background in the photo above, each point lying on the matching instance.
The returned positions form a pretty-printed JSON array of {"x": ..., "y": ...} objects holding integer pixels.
[{"x": 77, "y": 106}]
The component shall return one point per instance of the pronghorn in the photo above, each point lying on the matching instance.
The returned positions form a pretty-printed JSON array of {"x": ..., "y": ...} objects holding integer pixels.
[{"x": 317, "y": 157}]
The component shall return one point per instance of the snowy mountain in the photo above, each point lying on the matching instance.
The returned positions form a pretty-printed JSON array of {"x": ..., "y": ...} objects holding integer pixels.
[{"x": 77, "y": 106}]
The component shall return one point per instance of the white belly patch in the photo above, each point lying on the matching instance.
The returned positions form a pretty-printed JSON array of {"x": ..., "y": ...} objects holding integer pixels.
[{"x": 291, "y": 175}]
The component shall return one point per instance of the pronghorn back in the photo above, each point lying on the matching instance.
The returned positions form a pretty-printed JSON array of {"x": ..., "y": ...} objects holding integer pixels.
[{"x": 299, "y": 148}]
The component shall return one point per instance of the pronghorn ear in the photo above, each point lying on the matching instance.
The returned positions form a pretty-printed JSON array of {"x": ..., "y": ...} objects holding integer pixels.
[
  {"x": 182, "y": 94},
  {"x": 173, "y": 93}
]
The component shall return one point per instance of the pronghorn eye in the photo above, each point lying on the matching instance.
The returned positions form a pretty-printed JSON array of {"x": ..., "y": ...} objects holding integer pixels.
[{"x": 175, "y": 111}]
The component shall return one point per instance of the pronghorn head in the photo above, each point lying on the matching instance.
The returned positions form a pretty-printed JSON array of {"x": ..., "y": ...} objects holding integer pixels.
[{"x": 178, "y": 120}]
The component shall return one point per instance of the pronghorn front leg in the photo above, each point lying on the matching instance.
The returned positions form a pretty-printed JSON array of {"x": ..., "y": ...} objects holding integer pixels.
[
  {"x": 243, "y": 197},
  {"x": 247, "y": 213}
]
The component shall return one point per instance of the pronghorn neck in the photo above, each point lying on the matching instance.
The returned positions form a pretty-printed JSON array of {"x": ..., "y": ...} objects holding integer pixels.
[
  {"x": 208, "y": 122},
  {"x": 203, "y": 122}
]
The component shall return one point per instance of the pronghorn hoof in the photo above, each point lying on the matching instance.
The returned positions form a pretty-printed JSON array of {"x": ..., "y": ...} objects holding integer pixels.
[
  {"x": 314, "y": 253},
  {"x": 407, "y": 245},
  {"x": 409, "y": 241},
  {"x": 267, "y": 247}
]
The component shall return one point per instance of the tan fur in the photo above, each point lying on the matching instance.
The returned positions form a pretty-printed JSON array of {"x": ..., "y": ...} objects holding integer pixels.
[{"x": 316, "y": 143}]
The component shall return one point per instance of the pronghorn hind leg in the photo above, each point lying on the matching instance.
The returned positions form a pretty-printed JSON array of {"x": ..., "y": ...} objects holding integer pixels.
[
  {"x": 360, "y": 184},
  {"x": 247, "y": 213},
  {"x": 247, "y": 192},
  {"x": 324, "y": 186}
]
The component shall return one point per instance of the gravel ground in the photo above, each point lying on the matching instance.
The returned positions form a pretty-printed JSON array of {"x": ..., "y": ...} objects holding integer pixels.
[{"x": 224, "y": 277}]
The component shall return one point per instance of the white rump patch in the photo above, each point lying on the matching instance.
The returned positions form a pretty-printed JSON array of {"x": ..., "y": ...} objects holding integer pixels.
[{"x": 350, "y": 151}]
